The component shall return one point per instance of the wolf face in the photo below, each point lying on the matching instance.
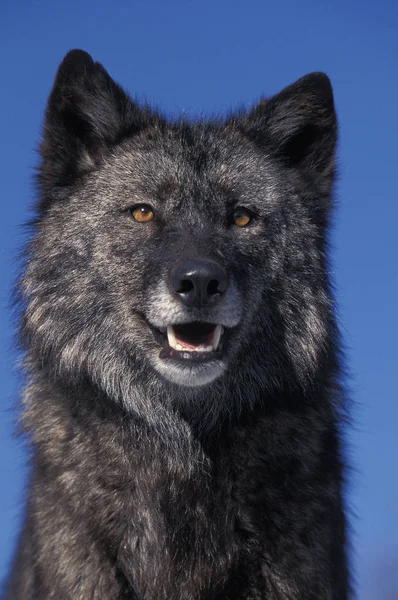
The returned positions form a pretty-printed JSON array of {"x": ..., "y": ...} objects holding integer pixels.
[{"x": 173, "y": 252}]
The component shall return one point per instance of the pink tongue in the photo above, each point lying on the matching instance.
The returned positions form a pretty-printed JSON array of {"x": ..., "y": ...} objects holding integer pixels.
[{"x": 186, "y": 344}]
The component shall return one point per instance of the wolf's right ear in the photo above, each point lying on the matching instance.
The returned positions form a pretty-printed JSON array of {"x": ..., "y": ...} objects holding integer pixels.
[{"x": 87, "y": 113}]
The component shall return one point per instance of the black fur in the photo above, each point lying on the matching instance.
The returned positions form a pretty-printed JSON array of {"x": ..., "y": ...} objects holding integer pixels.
[{"x": 219, "y": 481}]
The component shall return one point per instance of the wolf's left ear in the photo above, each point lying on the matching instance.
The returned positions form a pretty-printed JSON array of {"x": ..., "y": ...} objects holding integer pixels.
[
  {"x": 87, "y": 113},
  {"x": 299, "y": 124}
]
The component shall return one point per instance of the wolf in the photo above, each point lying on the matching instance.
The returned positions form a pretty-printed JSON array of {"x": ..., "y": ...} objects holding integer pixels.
[{"x": 184, "y": 399}]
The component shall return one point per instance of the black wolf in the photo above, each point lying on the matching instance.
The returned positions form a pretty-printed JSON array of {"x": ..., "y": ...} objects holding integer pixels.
[{"x": 182, "y": 354}]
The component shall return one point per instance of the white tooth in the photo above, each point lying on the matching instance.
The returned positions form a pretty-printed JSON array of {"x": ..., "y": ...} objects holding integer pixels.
[
  {"x": 216, "y": 336},
  {"x": 171, "y": 336},
  {"x": 204, "y": 348}
]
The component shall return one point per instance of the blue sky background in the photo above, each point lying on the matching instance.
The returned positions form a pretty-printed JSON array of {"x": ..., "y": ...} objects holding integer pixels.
[{"x": 207, "y": 56}]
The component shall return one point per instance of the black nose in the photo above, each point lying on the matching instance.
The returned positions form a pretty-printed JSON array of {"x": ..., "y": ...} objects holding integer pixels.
[{"x": 199, "y": 283}]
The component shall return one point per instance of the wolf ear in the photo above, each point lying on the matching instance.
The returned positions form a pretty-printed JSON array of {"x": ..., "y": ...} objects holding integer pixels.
[
  {"x": 87, "y": 113},
  {"x": 299, "y": 124}
]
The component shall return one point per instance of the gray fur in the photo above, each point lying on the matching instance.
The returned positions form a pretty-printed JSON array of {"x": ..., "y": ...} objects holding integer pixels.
[{"x": 162, "y": 479}]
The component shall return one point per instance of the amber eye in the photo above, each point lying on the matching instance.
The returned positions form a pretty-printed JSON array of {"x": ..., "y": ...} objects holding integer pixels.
[
  {"x": 142, "y": 213},
  {"x": 241, "y": 217}
]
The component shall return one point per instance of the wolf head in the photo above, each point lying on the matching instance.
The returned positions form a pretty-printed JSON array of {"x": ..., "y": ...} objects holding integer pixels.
[{"x": 178, "y": 255}]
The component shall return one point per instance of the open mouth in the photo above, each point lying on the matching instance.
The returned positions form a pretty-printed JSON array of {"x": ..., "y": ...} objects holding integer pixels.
[{"x": 197, "y": 342}]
